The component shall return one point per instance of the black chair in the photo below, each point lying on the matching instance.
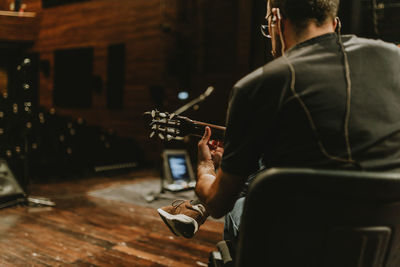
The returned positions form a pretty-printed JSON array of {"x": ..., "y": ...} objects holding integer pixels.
[{"x": 321, "y": 218}]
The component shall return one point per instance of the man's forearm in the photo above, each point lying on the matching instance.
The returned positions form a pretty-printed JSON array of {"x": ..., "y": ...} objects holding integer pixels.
[
  {"x": 205, "y": 178},
  {"x": 217, "y": 192}
]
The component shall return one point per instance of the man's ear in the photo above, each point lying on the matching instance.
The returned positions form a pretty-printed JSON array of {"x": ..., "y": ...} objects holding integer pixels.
[
  {"x": 335, "y": 22},
  {"x": 337, "y": 25}
]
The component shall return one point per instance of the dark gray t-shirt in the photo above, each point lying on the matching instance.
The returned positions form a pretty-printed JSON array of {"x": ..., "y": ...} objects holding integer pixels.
[{"x": 265, "y": 121}]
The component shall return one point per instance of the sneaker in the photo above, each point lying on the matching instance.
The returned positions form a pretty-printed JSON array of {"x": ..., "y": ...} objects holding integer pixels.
[{"x": 183, "y": 218}]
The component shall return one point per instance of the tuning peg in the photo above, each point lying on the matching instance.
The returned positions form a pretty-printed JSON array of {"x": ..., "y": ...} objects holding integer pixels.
[
  {"x": 153, "y": 113},
  {"x": 152, "y": 134},
  {"x": 161, "y": 136},
  {"x": 171, "y": 116},
  {"x": 169, "y": 137},
  {"x": 163, "y": 114}
]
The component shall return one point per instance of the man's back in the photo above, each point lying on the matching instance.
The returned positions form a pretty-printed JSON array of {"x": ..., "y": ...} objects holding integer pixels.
[{"x": 282, "y": 131}]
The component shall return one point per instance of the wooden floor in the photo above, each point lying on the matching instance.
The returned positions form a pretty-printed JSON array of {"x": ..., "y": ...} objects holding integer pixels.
[{"x": 87, "y": 231}]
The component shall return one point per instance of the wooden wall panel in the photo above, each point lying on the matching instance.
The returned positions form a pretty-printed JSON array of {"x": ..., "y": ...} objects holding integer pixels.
[
  {"x": 162, "y": 38},
  {"x": 32, "y": 5},
  {"x": 29, "y": 5},
  {"x": 178, "y": 44},
  {"x": 98, "y": 24},
  {"x": 19, "y": 27},
  {"x": 153, "y": 32}
]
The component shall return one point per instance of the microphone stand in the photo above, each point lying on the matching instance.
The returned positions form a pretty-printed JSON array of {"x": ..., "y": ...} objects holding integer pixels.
[{"x": 195, "y": 101}]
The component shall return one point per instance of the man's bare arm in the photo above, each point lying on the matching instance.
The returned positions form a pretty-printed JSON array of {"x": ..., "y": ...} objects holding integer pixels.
[{"x": 217, "y": 191}]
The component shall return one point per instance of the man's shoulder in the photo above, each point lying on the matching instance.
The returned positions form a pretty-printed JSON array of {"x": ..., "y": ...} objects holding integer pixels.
[
  {"x": 274, "y": 70},
  {"x": 353, "y": 42}
]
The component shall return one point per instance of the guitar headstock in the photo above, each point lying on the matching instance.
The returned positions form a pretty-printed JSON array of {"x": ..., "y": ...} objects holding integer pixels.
[{"x": 168, "y": 126}]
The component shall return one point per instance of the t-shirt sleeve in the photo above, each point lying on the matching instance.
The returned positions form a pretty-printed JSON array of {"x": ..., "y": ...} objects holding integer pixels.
[
  {"x": 241, "y": 145},
  {"x": 252, "y": 113}
]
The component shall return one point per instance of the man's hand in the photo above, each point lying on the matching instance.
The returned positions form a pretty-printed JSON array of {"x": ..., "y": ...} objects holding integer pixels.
[
  {"x": 209, "y": 150},
  {"x": 217, "y": 150},
  {"x": 217, "y": 191}
]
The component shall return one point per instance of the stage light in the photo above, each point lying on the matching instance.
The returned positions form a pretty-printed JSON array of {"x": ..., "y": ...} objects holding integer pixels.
[{"x": 183, "y": 95}]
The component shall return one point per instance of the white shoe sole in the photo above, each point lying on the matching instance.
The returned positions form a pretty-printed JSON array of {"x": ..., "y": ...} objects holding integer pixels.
[{"x": 180, "y": 224}]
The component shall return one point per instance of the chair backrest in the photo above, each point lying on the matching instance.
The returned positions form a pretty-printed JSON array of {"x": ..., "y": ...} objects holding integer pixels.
[{"x": 324, "y": 218}]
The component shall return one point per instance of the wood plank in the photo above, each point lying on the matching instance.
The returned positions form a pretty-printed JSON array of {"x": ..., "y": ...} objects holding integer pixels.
[
  {"x": 151, "y": 257},
  {"x": 89, "y": 231}
]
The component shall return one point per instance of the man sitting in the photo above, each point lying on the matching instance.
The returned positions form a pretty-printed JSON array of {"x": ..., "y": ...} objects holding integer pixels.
[{"x": 326, "y": 101}]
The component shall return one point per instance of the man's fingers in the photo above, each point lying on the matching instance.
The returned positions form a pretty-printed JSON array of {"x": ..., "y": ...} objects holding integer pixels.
[
  {"x": 207, "y": 135},
  {"x": 212, "y": 144}
]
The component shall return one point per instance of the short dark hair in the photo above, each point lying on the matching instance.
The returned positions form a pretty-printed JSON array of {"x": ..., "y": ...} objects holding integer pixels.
[{"x": 301, "y": 12}]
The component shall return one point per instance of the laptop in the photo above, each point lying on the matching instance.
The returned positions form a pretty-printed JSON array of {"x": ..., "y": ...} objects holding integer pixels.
[{"x": 177, "y": 170}]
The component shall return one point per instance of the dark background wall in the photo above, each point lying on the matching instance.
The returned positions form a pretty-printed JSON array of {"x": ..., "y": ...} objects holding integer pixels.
[
  {"x": 172, "y": 45},
  {"x": 165, "y": 46}
]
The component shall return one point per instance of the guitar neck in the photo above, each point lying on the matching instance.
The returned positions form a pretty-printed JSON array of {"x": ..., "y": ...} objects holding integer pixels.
[
  {"x": 175, "y": 127},
  {"x": 217, "y": 132}
]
